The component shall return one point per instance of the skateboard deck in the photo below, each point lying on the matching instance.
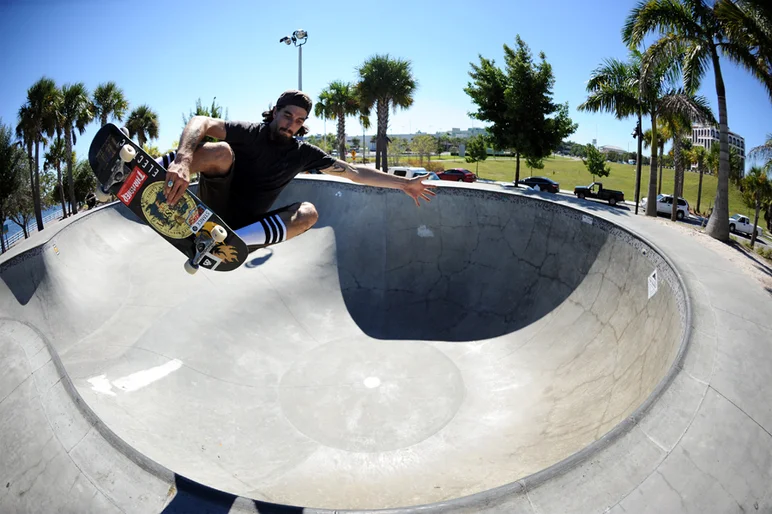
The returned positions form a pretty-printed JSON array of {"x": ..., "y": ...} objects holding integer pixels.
[{"x": 125, "y": 170}]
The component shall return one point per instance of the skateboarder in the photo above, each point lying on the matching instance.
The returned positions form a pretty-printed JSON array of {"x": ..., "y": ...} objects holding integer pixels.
[{"x": 241, "y": 176}]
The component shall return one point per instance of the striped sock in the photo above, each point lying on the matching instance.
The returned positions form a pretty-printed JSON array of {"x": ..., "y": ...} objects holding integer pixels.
[
  {"x": 166, "y": 160},
  {"x": 267, "y": 231}
]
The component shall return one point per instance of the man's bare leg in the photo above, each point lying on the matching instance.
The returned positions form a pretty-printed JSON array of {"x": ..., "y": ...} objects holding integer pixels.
[{"x": 280, "y": 225}]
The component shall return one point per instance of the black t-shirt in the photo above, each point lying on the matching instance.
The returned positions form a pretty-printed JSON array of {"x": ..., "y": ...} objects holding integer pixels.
[{"x": 263, "y": 168}]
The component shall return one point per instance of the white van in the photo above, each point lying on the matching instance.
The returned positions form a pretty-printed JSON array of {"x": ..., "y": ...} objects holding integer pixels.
[{"x": 406, "y": 171}]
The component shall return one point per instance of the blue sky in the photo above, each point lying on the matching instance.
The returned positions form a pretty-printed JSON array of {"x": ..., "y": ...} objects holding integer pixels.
[{"x": 169, "y": 54}]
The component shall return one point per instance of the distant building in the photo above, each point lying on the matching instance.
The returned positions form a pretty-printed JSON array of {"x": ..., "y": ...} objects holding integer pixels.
[
  {"x": 708, "y": 135},
  {"x": 610, "y": 148}
]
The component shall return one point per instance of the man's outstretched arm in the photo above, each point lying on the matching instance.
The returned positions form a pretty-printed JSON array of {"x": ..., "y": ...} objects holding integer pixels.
[{"x": 414, "y": 187}]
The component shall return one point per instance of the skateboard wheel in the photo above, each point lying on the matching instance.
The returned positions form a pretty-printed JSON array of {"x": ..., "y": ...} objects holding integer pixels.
[
  {"x": 101, "y": 196},
  {"x": 190, "y": 267},
  {"x": 128, "y": 153},
  {"x": 219, "y": 234},
  {"x": 125, "y": 131}
]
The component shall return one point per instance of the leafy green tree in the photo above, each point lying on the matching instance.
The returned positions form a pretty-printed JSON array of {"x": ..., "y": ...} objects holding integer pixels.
[
  {"x": 85, "y": 181},
  {"x": 54, "y": 158},
  {"x": 19, "y": 206},
  {"x": 143, "y": 123},
  {"x": 691, "y": 34},
  {"x": 476, "y": 151},
  {"x": 534, "y": 164},
  {"x": 12, "y": 162},
  {"x": 152, "y": 150},
  {"x": 424, "y": 145},
  {"x": 338, "y": 100},
  {"x": 697, "y": 156},
  {"x": 385, "y": 83},
  {"x": 595, "y": 162},
  {"x": 397, "y": 146},
  {"x": 518, "y": 104},
  {"x": 109, "y": 102}
]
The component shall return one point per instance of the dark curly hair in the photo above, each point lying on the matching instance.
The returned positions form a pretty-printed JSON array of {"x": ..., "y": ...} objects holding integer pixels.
[{"x": 268, "y": 118}]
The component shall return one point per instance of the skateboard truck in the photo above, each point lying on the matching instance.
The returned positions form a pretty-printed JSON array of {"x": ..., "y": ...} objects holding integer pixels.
[
  {"x": 117, "y": 174},
  {"x": 204, "y": 243}
]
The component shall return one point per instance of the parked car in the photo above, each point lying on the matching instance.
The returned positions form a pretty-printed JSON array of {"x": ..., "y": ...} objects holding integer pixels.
[
  {"x": 541, "y": 184},
  {"x": 430, "y": 175},
  {"x": 406, "y": 171},
  {"x": 665, "y": 206},
  {"x": 740, "y": 223},
  {"x": 457, "y": 175},
  {"x": 596, "y": 190}
]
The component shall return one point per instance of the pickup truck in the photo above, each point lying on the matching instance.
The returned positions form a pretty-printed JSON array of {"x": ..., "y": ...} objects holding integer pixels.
[
  {"x": 740, "y": 223},
  {"x": 595, "y": 190}
]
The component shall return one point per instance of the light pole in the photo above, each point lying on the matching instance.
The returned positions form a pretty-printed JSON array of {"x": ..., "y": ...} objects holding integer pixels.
[{"x": 299, "y": 38}]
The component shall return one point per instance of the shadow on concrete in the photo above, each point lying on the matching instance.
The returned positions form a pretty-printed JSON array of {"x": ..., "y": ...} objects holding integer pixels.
[
  {"x": 23, "y": 274},
  {"x": 260, "y": 259},
  {"x": 194, "y": 498},
  {"x": 462, "y": 284}
]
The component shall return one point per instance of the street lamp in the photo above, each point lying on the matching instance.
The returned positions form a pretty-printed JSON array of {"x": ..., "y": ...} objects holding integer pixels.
[{"x": 299, "y": 38}]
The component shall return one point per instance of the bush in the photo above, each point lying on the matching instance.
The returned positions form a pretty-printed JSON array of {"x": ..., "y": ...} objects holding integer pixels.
[{"x": 434, "y": 166}]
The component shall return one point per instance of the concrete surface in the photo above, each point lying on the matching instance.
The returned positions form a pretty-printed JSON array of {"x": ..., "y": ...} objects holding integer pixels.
[{"x": 494, "y": 351}]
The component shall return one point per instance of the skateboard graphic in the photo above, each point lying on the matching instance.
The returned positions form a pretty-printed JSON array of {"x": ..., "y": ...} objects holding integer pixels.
[{"x": 123, "y": 169}]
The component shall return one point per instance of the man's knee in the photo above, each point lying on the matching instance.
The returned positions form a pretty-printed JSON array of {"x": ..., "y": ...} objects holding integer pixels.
[
  {"x": 307, "y": 214},
  {"x": 213, "y": 158}
]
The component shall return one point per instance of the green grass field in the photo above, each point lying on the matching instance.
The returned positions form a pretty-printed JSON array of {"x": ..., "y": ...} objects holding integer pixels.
[{"x": 572, "y": 172}]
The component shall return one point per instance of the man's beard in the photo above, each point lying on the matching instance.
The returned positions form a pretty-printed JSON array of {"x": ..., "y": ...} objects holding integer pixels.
[{"x": 281, "y": 136}]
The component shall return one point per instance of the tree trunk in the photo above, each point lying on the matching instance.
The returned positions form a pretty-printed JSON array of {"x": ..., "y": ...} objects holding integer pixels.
[
  {"x": 699, "y": 190},
  {"x": 68, "y": 142},
  {"x": 718, "y": 224},
  {"x": 677, "y": 178},
  {"x": 651, "y": 202},
  {"x": 382, "y": 108},
  {"x": 661, "y": 160},
  {"x": 341, "y": 136},
  {"x": 638, "y": 159},
  {"x": 35, "y": 178},
  {"x": 2, "y": 235},
  {"x": 61, "y": 189},
  {"x": 517, "y": 169},
  {"x": 756, "y": 219}
]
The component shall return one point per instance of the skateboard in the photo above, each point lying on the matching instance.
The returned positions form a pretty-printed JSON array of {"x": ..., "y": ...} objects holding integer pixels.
[{"x": 123, "y": 169}]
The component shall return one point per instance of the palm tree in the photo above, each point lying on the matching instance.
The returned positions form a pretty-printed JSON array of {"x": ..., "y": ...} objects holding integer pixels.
[
  {"x": 764, "y": 153},
  {"x": 697, "y": 156},
  {"x": 679, "y": 110},
  {"x": 38, "y": 118},
  {"x": 385, "y": 82},
  {"x": 626, "y": 88},
  {"x": 75, "y": 112},
  {"x": 54, "y": 157},
  {"x": 109, "y": 102},
  {"x": 143, "y": 123},
  {"x": 663, "y": 136},
  {"x": 757, "y": 192},
  {"x": 691, "y": 33},
  {"x": 336, "y": 102},
  {"x": 613, "y": 87}
]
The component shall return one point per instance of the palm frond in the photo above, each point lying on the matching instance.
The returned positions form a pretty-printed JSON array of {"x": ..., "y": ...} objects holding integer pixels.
[
  {"x": 663, "y": 16},
  {"x": 685, "y": 109},
  {"x": 661, "y": 65}
]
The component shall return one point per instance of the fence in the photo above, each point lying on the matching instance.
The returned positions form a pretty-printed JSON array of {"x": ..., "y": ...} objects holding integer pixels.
[{"x": 32, "y": 227}]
